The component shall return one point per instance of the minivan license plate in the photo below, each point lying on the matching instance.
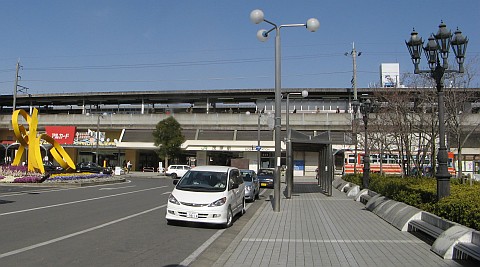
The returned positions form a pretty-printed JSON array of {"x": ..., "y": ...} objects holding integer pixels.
[
  {"x": 264, "y": 184},
  {"x": 192, "y": 215}
]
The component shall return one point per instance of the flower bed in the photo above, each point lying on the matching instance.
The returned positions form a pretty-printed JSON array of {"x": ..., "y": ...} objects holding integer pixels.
[
  {"x": 20, "y": 174},
  {"x": 76, "y": 177}
]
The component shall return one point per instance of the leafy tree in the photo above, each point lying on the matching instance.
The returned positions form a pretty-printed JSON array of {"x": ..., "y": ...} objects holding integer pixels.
[{"x": 169, "y": 138}]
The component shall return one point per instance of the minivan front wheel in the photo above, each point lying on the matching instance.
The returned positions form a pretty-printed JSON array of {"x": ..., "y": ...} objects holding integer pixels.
[{"x": 229, "y": 218}]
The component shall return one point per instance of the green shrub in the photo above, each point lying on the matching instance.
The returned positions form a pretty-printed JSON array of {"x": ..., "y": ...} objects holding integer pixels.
[{"x": 462, "y": 206}]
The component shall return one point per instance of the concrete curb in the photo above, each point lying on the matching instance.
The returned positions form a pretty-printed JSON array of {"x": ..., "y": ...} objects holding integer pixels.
[{"x": 399, "y": 215}]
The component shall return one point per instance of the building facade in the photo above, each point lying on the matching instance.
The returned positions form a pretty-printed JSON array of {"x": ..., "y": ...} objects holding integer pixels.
[{"x": 219, "y": 125}]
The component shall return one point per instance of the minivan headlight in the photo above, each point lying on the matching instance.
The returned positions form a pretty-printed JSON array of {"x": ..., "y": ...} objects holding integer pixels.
[
  {"x": 218, "y": 202},
  {"x": 173, "y": 200}
]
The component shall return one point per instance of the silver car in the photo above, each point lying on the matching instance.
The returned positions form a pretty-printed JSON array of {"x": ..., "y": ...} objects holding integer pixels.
[{"x": 252, "y": 186}]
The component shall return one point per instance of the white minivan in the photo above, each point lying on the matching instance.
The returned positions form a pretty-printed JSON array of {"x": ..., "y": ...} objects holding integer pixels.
[{"x": 207, "y": 194}]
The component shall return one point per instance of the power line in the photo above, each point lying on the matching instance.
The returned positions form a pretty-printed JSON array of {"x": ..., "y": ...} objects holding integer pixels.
[
  {"x": 175, "y": 64},
  {"x": 183, "y": 80}
]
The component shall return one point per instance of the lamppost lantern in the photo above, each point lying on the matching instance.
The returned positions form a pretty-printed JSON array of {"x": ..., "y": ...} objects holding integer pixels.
[
  {"x": 304, "y": 93},
  {"x": 355, "y": 105},
  {"x": 262, "y": 35},
  {"x": 459, "y": 47},
  {"x": 257, "y": 16},
  {"x": 365, "y": 107},
  {"x": 312, "y": 24},
  {"x": 414, "y": 46},
  {"x": 439, "y": 45},
  {"x": 443, "y": 38},
  {"x": 431, "y": 53}
]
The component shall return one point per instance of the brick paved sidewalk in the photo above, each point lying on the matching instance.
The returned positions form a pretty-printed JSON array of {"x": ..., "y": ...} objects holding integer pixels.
[{"x": 315, "y": 230}]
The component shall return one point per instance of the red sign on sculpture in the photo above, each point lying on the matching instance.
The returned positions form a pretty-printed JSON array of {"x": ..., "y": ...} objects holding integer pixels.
[{"x": 62, "y": 134}]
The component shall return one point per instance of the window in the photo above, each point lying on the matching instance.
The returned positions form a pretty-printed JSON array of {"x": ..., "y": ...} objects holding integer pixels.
[
  {"x": 235, "y": 178},
  {"x": 351, "y": 159}
]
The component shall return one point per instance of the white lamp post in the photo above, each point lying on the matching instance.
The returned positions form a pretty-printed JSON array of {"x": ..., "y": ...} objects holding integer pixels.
[
  {"x": 257, "y": 16},
  {"x": 98, "y": 134},
  {"x": 289, "y": 172}
]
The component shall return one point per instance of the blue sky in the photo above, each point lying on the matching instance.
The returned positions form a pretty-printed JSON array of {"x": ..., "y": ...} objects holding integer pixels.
[{"x": 116, "y": 45}]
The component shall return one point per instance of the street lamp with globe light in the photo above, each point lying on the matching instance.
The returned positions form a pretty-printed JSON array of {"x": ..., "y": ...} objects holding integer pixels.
[
  {"x": 257, "y": 16},
  {"x": 289, "y": 172}
]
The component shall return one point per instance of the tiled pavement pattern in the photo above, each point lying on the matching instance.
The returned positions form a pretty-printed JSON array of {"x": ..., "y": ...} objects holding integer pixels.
[{"x": 312, "y": 229}]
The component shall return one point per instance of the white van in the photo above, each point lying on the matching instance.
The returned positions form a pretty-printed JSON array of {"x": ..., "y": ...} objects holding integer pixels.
[{"x": 207, "y": 194}]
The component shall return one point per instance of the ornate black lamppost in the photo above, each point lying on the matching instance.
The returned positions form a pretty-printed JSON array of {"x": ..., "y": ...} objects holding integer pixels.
[
  {"x": 365, "y": 110},
  {"x": 355, "y": 106},
  {"x": 438, "y": 45}
]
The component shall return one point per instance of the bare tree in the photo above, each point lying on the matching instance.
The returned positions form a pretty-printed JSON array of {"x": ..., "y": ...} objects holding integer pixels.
[
  {"x": 457, "y": 102},
  {"x": 408, "y": 118},
  {"x": 413, "y": 114}
]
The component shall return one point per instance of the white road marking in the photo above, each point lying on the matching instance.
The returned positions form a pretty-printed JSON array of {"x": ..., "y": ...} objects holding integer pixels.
[
  {"x": 114, "y": 188},
  {"x": 79, "y": 201},
  {"x": 331, "y": 241},
  {"x": 13, "y": 252},
  {"x": 200, "y": 249},
  {"x": 187, "y": 261},
  {"x": 56, "y": 189}
]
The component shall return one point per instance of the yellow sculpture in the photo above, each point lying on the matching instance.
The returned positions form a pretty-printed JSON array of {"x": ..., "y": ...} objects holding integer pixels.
[{"x": 32, "y": 141}]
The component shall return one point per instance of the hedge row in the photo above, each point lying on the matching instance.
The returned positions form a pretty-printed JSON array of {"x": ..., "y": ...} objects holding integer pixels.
[{"x": 462, "y": 206}]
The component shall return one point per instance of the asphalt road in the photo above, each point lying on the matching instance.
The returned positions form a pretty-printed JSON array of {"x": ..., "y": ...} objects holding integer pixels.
[{"x": 109, "y": 225}]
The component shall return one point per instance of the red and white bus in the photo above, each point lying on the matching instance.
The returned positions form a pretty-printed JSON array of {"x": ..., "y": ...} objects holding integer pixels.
[{"x": 388, "y": 163}]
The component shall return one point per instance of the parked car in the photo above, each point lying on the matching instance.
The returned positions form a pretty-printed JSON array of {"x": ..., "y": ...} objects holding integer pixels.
[
  {"x": 92, "y": 167},
  {"x": 51, "y": 167},
  {"x": 266, "y": 177},
  {"x": 252, "y": 186},
  {"x": 207, "y": 194},
  {"x": 177, "y": 170}
]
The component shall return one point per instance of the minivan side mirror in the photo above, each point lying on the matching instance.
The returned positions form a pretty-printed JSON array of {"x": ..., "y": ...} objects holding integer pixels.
[
  {"x": 234, "y": 186},
  {"x": 175, "y": 182}
]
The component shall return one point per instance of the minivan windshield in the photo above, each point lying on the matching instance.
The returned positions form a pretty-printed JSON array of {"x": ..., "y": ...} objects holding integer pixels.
[
  {"x": 203, "y": 181},
  {"x": 265, "y": 172},
  {"x": 247, "y": 176}
]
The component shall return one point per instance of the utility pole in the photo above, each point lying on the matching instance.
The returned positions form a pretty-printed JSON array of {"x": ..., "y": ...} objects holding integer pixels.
[
  {"x": 354, "y": 78},
  {"x": 15, "y": 86},
  {"x": 354, "y": 55},
  {"x": 355, "y": 103}
]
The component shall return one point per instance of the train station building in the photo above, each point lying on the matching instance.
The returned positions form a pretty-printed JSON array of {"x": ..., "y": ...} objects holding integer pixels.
[{"x": 218, "y": 125}]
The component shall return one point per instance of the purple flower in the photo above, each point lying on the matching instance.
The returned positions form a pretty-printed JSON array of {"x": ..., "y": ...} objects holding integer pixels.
[
  {"x": 14, "y": 168},
  {"x": 78, "y": 177},
  {"x": 27, "y": 179}
]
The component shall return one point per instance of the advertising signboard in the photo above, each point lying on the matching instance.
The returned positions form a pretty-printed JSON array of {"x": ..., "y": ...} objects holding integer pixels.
[{"x": 61, "y": 134}]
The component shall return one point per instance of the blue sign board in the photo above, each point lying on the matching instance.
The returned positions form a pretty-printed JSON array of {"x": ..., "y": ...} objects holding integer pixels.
[{"x": 298, "y": 165}]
